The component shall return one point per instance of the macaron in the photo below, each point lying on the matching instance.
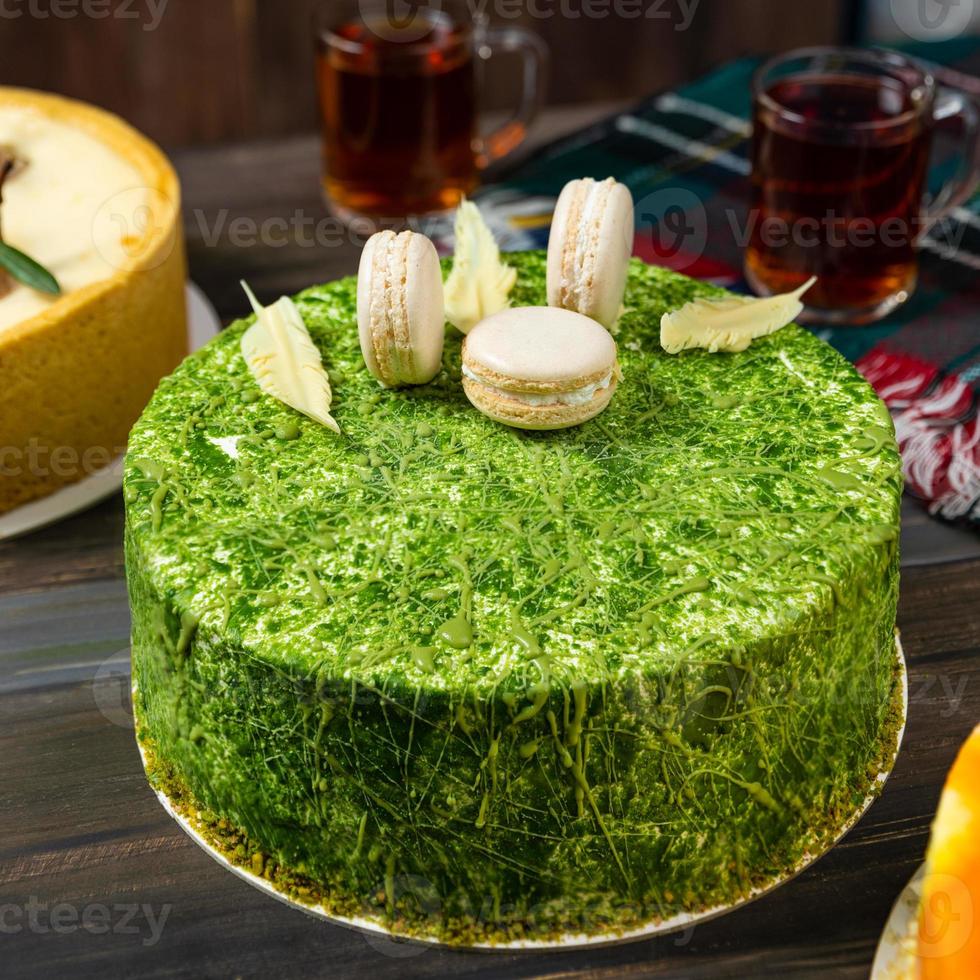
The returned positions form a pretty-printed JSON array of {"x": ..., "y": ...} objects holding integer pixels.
[
  {"x": 589, "y": 248},
  {"x": 400, "y": 318},
  {"x": 538, "y": 367}
]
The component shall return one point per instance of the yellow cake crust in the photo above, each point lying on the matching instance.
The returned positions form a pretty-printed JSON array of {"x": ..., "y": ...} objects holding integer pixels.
[{"x": 75, "y": 377}]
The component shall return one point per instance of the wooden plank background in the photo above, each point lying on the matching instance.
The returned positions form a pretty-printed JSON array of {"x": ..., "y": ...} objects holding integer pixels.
[{"x": 230, "y": 69}]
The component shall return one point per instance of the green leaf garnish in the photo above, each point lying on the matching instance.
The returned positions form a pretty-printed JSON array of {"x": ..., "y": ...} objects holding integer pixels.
[{"x": 24, "y": 269}]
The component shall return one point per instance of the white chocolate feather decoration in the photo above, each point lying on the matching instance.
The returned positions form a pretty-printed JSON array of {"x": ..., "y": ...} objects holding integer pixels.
[
  {"x": 284, "y": 360},
  {"x": 731, "y": 323},
  {"x": 479, "y": 282}
]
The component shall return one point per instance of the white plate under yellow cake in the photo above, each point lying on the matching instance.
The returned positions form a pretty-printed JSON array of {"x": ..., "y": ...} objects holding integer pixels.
[{"x": 203, "y": 323}]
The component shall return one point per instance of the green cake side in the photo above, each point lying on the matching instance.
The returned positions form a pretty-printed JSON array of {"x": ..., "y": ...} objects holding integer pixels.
[{"x": 484, "y": 684}]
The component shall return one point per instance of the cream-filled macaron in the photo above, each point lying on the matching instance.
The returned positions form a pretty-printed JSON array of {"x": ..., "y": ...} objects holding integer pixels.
[
  {"x": 400, "y": 316},
  {"x": 537, "y": 367},
  {"x": 589, "y": 248}
]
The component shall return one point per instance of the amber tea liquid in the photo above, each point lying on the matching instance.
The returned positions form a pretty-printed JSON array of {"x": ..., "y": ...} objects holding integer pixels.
[
  {"x": 835, "y": 193},
  {"x": 398, "y": 118}
]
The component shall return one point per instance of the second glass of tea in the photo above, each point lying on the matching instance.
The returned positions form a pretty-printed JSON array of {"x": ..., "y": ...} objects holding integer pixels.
[
  {"x": 398, "y": 88},
  {"x": 840, "y": 152}
]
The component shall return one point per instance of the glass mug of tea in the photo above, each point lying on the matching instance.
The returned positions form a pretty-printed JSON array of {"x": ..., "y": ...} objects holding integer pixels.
[
  {"x": 398, "y": 88},
  {"x": 841, "y": 140}
]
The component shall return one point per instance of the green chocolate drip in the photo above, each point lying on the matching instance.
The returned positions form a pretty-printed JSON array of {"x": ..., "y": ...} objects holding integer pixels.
[{"x": 457, "y": 632}]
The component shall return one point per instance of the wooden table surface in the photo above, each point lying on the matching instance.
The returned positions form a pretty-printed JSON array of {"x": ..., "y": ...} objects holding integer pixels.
[{"x": 96, "y": 880}]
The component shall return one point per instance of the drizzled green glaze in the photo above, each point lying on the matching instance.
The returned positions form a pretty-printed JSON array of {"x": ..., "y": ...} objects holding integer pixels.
[{"x": 484, "y": 683}]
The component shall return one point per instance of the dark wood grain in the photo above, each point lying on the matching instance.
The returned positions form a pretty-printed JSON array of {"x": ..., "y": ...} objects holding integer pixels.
[{"x": 234, "y": 69}]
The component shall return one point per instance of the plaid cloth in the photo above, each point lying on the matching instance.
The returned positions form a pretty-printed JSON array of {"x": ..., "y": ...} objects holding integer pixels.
[{"x": 684, "y": 156}]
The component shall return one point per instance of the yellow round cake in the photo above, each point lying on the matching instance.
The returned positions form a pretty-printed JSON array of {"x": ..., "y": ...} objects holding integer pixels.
[{"x": 97, "y": 205}]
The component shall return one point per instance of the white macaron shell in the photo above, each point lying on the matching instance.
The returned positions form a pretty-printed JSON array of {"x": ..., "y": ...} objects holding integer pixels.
[
  {"x": 405, "y": 302},
  {"x": 558, "y": 237},
  {"x": 614, "y": 247},
  {"x": 365, "y": 290},
  {"x": 597, "y": 243},
  {"x": 426, "y": 313},
  {"x": 539, "y": 345}
]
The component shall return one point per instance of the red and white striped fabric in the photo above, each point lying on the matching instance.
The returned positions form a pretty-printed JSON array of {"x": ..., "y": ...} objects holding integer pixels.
[{"x": 937, "y": 427}]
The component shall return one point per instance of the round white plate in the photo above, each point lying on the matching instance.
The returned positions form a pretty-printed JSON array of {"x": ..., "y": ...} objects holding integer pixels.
[
  {"x": 375, "y": 932},
  {"x": 202, "y": 325},
  {"x": 895, "y": 956}
]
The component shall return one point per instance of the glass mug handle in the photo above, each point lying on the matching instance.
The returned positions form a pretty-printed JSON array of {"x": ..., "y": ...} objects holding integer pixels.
[
  {"x": 959, "y": 187},
  {"x": 534, "y": 56}
]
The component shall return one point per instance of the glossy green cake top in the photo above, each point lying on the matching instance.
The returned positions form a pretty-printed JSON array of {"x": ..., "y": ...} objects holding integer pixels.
[{"x": 717, "y": 500}]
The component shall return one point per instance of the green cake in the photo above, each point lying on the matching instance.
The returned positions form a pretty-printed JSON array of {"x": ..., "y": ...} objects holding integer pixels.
[{"x": 480, "y": 684}]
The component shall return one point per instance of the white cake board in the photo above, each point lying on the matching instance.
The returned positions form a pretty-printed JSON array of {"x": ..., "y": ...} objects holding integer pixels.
[
  {"x": 202, "y": 325},
  {"x": 895, "y": 957},
  {"x": 375, "y": 931}
]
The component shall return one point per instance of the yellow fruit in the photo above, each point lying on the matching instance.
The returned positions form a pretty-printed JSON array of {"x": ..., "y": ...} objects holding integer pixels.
[{"x": 949, "y": 915}]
